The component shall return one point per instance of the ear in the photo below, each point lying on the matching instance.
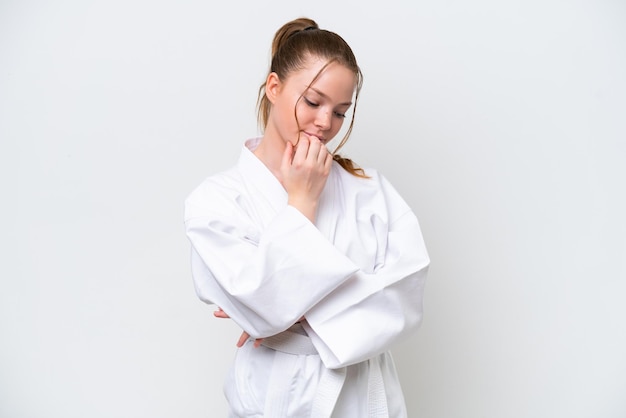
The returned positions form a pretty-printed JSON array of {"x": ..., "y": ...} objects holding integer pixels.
[{"x": 272, "y": 86}]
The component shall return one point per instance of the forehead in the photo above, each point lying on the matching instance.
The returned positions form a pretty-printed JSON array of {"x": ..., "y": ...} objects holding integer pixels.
[{"x": 331, "y": 79}]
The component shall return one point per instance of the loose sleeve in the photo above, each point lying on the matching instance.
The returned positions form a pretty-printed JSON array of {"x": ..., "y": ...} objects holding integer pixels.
[
  {"x": 375, "y": 308},
  {"x": 264, "y": 280}
]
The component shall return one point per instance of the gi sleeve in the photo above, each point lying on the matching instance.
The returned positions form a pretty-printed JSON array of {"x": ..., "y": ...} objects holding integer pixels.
[
  {"x": 265, "y": 281},
  {"x": 373, "y": 309}
]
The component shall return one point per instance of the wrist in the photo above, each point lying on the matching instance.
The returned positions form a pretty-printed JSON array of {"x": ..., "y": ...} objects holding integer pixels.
[{"x": 307, "y": 207}]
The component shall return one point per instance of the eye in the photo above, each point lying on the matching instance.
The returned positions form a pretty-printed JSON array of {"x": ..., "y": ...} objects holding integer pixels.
[
  {"x": 310, "y": 103},
  {"x": 340, "y": 115}
]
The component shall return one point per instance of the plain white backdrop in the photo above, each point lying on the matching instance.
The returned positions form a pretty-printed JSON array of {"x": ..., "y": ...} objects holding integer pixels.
[{"x": 502, "y": 124}]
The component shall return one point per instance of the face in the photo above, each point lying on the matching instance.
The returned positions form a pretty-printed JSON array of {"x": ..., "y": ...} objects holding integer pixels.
[{"x": 321, "y": 108}]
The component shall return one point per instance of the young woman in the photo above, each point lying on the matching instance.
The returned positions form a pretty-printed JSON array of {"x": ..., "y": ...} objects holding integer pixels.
[{"x": 321, "y": 263}]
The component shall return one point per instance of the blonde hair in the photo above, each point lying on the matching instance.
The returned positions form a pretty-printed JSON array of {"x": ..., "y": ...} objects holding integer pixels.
[{"x": 293, "y": 44}]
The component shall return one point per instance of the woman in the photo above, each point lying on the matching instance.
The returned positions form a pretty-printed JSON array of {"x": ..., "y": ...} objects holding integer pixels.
[{"x": 321, "y": 263}]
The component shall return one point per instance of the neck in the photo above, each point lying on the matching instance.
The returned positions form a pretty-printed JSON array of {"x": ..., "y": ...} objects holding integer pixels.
[{"x": 270, "y": 151}]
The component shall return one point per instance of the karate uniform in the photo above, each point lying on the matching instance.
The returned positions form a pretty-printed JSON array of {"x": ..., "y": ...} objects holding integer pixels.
[{"x": 357, "y": 276}]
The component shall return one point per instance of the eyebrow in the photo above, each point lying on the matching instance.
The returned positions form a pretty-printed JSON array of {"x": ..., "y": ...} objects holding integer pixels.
[{"x": 326, "y": 97}]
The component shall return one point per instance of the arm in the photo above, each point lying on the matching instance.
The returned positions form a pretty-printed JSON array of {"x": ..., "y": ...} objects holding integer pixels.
[
  {"x": 374, "y": 309},
  {"x": 264, "y": 286},
  {"x": 266, "y": 281},
  {"x": 219, "y": 313}
]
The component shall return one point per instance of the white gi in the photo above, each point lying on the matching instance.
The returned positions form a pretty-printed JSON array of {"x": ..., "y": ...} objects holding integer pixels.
[{"x": 357, "y": 276}]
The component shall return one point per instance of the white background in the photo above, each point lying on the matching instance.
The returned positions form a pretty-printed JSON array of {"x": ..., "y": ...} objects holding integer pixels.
[{"x": 502, "y": 124}]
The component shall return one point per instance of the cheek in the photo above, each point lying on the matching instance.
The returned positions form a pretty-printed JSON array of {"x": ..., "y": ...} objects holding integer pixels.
[
  {"x": 304, "y": 112},
  {"x": 337, "y": 124},
  {"x": 287, "y": 118}
]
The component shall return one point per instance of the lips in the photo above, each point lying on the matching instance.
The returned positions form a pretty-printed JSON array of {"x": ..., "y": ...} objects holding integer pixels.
[{"x": 321, "y": 139}]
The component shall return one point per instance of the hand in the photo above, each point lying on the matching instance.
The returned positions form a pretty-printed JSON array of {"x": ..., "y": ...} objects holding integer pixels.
[
  {"x": 220, "y": 313},
  {"x": 244, "y": 335},
  {"x": 304, "y": 170}
]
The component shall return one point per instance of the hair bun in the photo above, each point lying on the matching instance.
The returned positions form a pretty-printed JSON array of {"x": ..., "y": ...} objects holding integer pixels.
[{"x": 291, "y": 28}]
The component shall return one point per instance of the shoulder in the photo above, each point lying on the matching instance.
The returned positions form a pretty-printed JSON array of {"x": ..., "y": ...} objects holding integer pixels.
[
  {"x": 372, "y": 193},
  {"x": 372, "y": 179},
  {"x": 216, "y": 193},
  {"x": 375, "y": 180}
]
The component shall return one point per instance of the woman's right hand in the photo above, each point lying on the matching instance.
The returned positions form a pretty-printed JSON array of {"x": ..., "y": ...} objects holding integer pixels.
[{"x": 304, "y": 170}]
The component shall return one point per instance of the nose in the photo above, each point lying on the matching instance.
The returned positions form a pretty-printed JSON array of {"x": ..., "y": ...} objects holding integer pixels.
[{"x": 323, "y": 119}]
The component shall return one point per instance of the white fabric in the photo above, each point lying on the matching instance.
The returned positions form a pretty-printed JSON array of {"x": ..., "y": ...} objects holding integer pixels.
[
  {"x": 357, "y": 276},
  {"x": 330, "y": 383}
]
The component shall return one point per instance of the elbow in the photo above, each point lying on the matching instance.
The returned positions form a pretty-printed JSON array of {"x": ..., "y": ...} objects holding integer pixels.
[{"x": 413, "y": 322}]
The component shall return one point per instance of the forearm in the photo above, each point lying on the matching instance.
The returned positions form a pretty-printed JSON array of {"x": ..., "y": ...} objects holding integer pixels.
[{"x": 267, "y": 287}]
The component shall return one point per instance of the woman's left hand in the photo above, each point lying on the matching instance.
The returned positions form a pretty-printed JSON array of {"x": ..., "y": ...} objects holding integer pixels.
[{"x": 244, "y": 335}]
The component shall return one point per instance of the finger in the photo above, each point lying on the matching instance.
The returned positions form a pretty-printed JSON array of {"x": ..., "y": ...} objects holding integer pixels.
[
  {"x": 242, "y": 339},
  {"x": 328, "y": 162},
  {"x": 287, "y": 155},
  {"x": 314, "y": 149},
  {"x": 220, "y": 313},
  {"x": 257, "y": 342},
  {"x": 323, "y": 154},
  {"x": 302, "y": 150}
]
